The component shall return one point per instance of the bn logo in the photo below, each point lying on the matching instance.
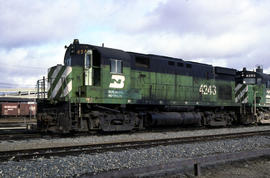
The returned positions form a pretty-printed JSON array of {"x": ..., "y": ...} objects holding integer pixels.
[{"x": 117, "y": 81}]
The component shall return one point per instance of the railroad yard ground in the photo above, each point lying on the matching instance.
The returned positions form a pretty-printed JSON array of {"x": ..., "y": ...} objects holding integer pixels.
[
  {"x": 92, "y": 164},
  {"x": 258, "y": 168}
]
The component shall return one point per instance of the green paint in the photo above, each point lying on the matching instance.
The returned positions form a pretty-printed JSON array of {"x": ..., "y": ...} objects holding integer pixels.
[{"x": 147, "y": 87}]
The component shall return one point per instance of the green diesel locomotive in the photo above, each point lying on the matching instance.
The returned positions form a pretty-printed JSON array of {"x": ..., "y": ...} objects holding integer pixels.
[{"x": 100, "y": 88}]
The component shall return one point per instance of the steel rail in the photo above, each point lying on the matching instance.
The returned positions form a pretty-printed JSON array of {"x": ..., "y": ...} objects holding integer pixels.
[
  {"x": 21, "y": 134},
  {"x": 117, "y": 146}
]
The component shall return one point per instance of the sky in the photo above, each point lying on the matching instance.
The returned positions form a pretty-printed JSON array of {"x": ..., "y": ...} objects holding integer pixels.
[{"x": 225, "y": 33}]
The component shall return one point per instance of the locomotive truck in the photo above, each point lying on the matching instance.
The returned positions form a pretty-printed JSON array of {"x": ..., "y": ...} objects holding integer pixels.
[{"x": 100, "y": 88}]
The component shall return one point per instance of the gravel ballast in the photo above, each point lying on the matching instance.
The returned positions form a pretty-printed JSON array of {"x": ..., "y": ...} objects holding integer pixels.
[
  {"x": 82, "y": 164},
  {"x": 58, "y": 142}
]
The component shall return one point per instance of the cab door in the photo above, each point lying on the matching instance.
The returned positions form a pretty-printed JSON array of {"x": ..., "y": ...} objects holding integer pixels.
[{"x": 88, "y": 68}]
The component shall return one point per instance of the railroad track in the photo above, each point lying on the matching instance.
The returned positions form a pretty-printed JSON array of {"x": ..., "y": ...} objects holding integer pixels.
[
  {"x": 15, "y": 135},
  {"x": 22, "y": 135},
  {"x": 119, "y": 146}
]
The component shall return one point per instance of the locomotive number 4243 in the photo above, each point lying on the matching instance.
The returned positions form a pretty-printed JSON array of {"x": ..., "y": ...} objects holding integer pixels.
[{"x": 208, "y": 89}]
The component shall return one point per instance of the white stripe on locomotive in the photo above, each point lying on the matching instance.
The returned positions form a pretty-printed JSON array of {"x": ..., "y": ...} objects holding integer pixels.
[
  {"x": 61, "y": 81},
  {"x": 67, "y": 89},
  {"x": 245, "y": 100},
  {"x": 241, "y": 94},
  {"x": 53, "y": 76},
  {"x": 238, "y": 87}
]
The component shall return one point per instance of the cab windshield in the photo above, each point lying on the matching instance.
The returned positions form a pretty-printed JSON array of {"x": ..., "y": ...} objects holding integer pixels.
[{"x": 249, "y": 81}]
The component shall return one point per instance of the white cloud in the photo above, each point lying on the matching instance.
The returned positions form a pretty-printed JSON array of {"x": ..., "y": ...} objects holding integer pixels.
[
  {"x": 223, "y": 32},
  {"x": 235, "y": 31},
  {"x": 35, "y": 22},
  {"x": 24, "y": 66},
  {"x": 220, "y": 30},
  {"x": 211, "y": 61}
]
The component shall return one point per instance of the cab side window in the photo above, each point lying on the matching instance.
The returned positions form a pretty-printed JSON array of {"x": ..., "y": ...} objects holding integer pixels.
[
  {"x": 116, "y": 66},
  {"x": 259, "y": 81},
  {"x": 88, "y": 60},
  {"x": 68, "y": 62},
  {"x": 268, "y": 84}
]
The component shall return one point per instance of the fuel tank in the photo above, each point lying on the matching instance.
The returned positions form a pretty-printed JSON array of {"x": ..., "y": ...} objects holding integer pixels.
[{"x": 174, "y": 118}]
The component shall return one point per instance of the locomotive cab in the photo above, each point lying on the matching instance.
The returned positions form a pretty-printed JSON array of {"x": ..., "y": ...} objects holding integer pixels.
[
  {"x": 81, "y": 56},
  {"x": 252, "y": 91}
]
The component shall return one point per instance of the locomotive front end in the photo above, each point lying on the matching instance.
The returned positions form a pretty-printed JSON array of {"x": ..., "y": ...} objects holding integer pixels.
[
  {"x": 253, "y": 93},
  {"x": 59, "y": 82}
]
